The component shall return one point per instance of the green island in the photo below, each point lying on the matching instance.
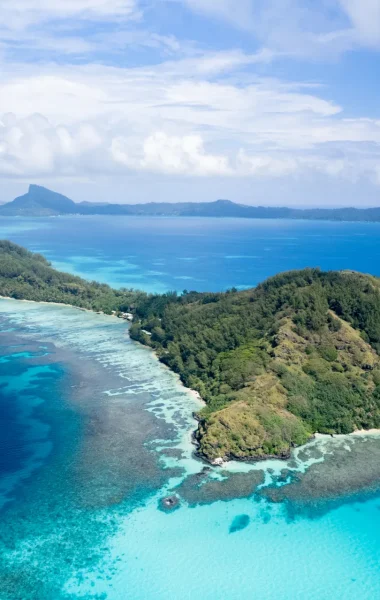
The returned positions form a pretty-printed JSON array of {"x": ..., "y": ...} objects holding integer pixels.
[{"x": 296, "y": 355}]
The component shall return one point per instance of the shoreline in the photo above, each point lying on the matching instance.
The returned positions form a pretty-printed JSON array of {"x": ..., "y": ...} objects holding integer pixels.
[
  {"x": 195, "y": 395},
  {"x": 356, "y": 433},
  {"x": 359, "y": 432},
  {"x": 54, "y": 304},
  {"x": 219, "y": 462},
  {"x": 228, "y": 460}
]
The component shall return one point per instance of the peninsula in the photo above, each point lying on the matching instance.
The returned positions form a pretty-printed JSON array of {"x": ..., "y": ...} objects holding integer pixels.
[
  {"x": 41, "y": 202},
  {"x": 298, "y": 354}
]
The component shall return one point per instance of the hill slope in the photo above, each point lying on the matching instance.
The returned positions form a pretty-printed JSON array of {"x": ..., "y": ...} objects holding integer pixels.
[
  {"x": 275, "y": 364},
  {"x": 28, "y": 276},
  {"x": 295, "y": 356}
]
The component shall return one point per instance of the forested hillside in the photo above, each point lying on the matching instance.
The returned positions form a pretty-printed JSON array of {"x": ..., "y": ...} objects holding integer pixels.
[
  {"x": 299, "y": 354},
  {"x": 29, "y": 276},
  {"x": 276, "y": 364}
]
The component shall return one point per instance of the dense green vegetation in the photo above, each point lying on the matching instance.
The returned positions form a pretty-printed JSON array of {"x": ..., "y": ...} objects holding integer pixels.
[
  {"x": 296, "y": 355},
  {"x": 29, "y": 276},
  {"x": 275, "y": 364}
]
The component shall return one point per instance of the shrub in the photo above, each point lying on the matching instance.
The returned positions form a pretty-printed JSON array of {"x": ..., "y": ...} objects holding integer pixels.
[{"x": 328, "y": 353}]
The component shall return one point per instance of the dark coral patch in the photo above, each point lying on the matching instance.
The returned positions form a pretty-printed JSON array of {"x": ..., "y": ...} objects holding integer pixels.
[{"x": 240, "y": 522}]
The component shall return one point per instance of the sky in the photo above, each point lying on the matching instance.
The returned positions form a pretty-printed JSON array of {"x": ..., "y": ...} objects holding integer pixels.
[{"x": 270, "y": 102}]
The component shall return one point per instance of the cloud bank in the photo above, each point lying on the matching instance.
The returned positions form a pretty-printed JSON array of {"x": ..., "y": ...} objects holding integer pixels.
[{"x": 183, "y": 110}]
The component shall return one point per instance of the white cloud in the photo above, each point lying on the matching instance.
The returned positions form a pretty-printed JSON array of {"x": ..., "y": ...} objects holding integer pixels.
[
  {"x": 284, "y": 28},
  {"x": 266, "y": 166},
  {"x": 365, "y": 19},
  {"x": 33, "y": 146},
  {"x": 260, "y": 165},
  {"x": 172, "y": 155},
  {"x": 173, "y": 119},
  {"x": 20, "y": 13},
  {"x": 71, "y": 27},
  {"x": 193, "y": 112},
  {"x": 324, "y": 28},
  {"x": 239, "y": 13}
]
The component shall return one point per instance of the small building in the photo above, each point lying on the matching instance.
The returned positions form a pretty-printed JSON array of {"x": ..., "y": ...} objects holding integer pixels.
[
  {"x": 127, "y": 316},
  {"x": 218, "y": 462}
]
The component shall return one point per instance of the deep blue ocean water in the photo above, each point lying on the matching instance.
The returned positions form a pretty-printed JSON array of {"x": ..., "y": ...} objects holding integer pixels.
[
  {"x": 94, "y": 433},
  {"x": 160, "y": 254}
]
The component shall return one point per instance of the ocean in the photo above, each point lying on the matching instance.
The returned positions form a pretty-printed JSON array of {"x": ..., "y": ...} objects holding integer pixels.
[
  {"x": 204, "y": 254},
  {"x": 95, "y": 433}
]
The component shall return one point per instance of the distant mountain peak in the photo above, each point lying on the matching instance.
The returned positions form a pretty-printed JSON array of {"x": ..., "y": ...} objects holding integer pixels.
[
  {"x": 39, "y": 201},
  {"x": 35, "y": 190},
  {"x": 34, "y": 186}
]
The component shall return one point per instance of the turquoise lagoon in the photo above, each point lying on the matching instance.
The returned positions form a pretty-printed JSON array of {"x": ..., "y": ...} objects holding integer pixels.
[
  {"x": 95, "y": 433},
  {"x": 102, "y": 433}
]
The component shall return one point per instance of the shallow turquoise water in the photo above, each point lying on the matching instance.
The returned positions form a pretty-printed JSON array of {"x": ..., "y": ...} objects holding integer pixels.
[
  {"x": 192, "y": 554},
  {"x": 85, "y": 521},
  {"x": 95, "y": 433}
]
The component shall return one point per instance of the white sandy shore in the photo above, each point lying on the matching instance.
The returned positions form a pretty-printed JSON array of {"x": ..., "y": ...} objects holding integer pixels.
[
  {"x": 50, "y": 303},
  {"x": 358, "y": 432},
  {"x": 195, "y": 395},
  {"x": 191, "y": 392},
  {"x": 366, "y": 432}
]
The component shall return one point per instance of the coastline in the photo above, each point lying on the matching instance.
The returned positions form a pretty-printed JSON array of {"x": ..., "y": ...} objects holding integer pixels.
[
  {"x": 221, "y": 461},
  {"x": 356, "y": 433},
  {"x": 151, "y": 536},
  {"x": 193, "y": 393},
  {"x": 52, "y": 304},
  {"x": 196, "y": 396},
  {"x": 359, "y": 432}
]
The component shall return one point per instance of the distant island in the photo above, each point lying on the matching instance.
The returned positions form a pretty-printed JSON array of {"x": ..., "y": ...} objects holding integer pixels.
[
  {"x": 298, "y": 354},
  {"x": 41, "y": 202}
]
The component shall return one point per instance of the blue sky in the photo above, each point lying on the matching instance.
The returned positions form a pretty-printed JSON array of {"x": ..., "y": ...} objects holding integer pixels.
[{"x": 268, "y": 102}]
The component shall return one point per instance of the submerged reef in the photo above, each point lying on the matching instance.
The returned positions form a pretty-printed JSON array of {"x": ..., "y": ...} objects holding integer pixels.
[
  {"x": 240, "y": 522},
  {"x": 349, "y": 472},
  {"x": 275, "y": 364}
]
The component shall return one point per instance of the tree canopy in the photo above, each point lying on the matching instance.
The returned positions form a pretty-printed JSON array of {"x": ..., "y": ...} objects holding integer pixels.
[{"x": 275, "y": 364}]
